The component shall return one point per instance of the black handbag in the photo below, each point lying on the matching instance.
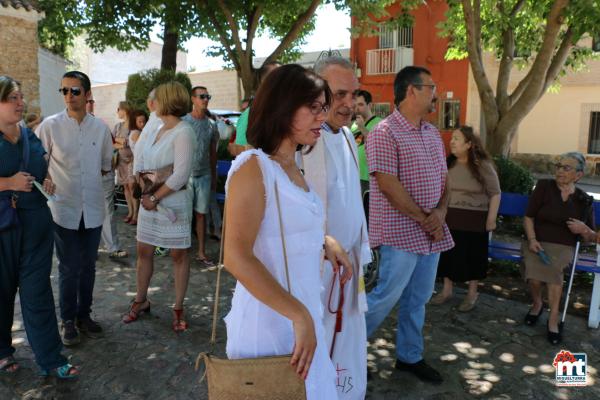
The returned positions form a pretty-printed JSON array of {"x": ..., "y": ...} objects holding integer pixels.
[{"x": 8, "y": 205}]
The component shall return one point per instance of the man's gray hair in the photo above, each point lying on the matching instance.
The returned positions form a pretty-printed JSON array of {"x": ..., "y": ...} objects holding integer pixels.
[
  {"x": 577, "y": 156},
  {"x": 324, "y": 63}
]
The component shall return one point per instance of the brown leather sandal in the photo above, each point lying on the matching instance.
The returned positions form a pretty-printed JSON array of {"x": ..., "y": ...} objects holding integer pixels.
[{"x": 136, "y": 310}]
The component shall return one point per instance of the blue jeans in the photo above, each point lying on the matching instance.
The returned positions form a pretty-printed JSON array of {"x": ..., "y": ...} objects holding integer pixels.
[
  {"x": 77, "y": 251},
  {"x": 408, "y": 278}
]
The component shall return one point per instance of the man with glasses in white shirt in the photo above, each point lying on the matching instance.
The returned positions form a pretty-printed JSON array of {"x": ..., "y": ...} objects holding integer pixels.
[{"x": 79, "y": 151}]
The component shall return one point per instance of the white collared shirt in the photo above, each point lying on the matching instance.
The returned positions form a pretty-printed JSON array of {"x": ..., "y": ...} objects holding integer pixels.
[
  {"x": 77, "y": 155},
  {"x": 345, "y": 213}
]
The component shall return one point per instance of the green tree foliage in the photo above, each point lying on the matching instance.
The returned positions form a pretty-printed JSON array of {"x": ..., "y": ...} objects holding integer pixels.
[
  {"x": 513, "y": 177},
  {"x": 543, "y": 36},
  {"x": 140, "y": 84},
  {"x": 127, "y": 24},
  {"x": 236, "y": 23},
  {"x": 122, "y": 24},
  {"x": 60, "y": 26}
]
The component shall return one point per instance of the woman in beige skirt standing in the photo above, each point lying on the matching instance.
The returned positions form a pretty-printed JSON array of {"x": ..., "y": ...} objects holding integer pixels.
[{"x": 552, "y": 223}]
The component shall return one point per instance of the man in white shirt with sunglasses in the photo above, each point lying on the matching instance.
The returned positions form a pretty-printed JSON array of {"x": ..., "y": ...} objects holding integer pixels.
[{"x": 79, "y": 148}]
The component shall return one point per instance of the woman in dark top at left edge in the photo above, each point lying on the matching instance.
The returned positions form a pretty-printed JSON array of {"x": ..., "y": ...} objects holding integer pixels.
[{"x": 26, "y": 247}]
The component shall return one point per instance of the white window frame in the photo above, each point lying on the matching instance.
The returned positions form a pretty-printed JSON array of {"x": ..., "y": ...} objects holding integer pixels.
[
  {"x": 382, "y": 110},
  {"x": 392, "y": 38}
]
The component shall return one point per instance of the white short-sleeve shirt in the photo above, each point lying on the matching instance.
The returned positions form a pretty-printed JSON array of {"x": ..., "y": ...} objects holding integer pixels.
[{"x": 78, "y": 153}]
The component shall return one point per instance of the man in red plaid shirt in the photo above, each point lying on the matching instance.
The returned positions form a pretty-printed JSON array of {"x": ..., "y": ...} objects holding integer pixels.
[{"x": 408, "y": 203}]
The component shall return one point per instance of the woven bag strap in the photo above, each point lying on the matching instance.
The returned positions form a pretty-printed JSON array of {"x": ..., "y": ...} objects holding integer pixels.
[{"x": 213, "y": 335}]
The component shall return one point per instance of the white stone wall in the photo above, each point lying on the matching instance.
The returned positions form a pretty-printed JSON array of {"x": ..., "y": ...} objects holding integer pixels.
[
  {"x": 222, "y": 85},
  {"x": 51, "y": 70},
  {"x": 107, "y": 99},
  {"x": 113, "y": 66}
]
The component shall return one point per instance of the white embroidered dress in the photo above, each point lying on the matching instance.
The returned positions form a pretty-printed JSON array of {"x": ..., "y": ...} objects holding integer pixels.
[
  {"x": 254, "y": 329},
  {"x": 175, "y": 146}
]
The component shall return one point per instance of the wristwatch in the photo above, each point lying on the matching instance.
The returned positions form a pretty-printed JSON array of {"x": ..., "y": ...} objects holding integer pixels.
[{"x": 153, "y": 199}]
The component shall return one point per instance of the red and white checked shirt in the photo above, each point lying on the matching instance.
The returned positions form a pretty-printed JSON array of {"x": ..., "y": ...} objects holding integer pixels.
[{"x": 416, "y": 156}]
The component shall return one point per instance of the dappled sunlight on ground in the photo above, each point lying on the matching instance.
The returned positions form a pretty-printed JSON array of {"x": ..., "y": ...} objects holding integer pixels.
[
  {"x": 507, "y": 358},
  {"x": 488, "y": 353},
  {"x": 17, "y": 325}
]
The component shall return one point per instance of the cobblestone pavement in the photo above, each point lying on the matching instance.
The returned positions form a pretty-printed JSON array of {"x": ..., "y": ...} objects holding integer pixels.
[{"x": 487, "y": 353}]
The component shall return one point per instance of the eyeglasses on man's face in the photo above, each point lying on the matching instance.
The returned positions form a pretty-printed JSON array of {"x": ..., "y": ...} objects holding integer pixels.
[
  {"x": 431, "y": 85},
  {"x": 316, "y": 108},
  {"x": 203, "y": 96},
  {"x": 75, "y": 90},
  {"x": 90, "y": 101},
  {"x": 564, "y": 167}
]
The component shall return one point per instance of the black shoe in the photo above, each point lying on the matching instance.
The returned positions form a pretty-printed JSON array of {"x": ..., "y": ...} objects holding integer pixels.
[
  {"x": 422, "y": 370},
  {"x": 69, "y": 333},
  {"x": 554, "y": 337},
  {"x": 531, "y": 319},
  {"x": 90, "y": 328}
]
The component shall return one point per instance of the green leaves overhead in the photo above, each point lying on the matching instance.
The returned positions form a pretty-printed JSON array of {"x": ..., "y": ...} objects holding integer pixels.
[
  {"x": 127, "y": 24},
  {"x": 234, "y": 24},
  {"x": 61, "y": 24},
  {"x": 122, "y": 24},
  {"x": 528, "y": 24},
  {"x": 545, "y": 37}
]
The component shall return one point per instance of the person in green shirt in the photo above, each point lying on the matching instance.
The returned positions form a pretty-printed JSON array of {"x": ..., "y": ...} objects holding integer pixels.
[
  {"x": 363, "y": 124},
  {"x": 241, "y": 127},
  {"x": 241, "y": 143}
]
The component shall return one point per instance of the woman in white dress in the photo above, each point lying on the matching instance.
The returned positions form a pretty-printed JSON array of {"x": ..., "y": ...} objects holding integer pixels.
[
  {"x": 171, "y": 143},
  {"x": 265, "y": 319}
]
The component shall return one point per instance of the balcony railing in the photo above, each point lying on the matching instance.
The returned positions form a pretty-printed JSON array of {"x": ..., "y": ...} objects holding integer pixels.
[{"x": 388, "y": 61}]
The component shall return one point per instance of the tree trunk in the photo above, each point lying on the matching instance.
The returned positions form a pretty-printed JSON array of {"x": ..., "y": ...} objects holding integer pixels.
[
  {"x": 249, "y": 77},
  {"x": 498, "y": 141},
  {"x": 169, "y": 49}
]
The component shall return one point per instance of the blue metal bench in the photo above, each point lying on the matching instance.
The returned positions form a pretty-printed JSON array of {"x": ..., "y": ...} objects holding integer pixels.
[{"x": 515, "y": 205}]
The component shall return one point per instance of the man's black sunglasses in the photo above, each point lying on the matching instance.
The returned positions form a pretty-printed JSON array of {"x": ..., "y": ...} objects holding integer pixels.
[
  {"x": 75, "y": 91},
  {"x": 203, "y": 96}
]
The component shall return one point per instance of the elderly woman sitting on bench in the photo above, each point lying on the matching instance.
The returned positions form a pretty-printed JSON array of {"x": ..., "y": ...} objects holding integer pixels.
[{"x": 558, "y": 215}]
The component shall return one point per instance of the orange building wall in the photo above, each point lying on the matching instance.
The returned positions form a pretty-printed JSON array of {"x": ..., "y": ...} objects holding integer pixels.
[{"x": 429, "y": 51}]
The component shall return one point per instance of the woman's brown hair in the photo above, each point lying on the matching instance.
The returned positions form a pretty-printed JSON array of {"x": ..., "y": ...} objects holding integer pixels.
[
  {"x": 476, "y": 154},
  {"x": 7, "y": 86},
  {"x": 282, "y": 93},
  {"x": 133, "y": 117}
]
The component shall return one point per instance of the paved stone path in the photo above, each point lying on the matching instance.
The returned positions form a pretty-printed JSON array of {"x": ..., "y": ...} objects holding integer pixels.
[{"x": 487, "y": 353}]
